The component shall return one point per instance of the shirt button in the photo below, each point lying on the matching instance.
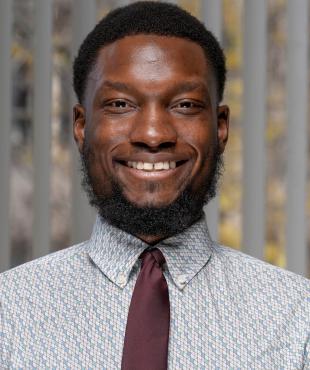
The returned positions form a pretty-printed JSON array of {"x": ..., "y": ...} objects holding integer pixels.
[
  {"x": 182, "y": 279},
  {"x": 121, "y": 279}
]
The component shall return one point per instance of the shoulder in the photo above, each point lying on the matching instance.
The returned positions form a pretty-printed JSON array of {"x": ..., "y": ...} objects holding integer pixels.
[
  {"x": 259, "y": 277},
  {"x": 264, "y": 293},
  {"x": 31, "y": 292},
  {"x": 42, "y": 271}
]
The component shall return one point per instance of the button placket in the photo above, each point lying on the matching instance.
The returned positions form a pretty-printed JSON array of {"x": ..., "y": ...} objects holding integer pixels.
[
  {"x": 182, "y": 279},
  {"x": 121, "y": 279}
]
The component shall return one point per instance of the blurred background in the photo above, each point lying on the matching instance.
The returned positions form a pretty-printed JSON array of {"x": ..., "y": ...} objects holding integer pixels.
[{"x": 263, "y": 205}]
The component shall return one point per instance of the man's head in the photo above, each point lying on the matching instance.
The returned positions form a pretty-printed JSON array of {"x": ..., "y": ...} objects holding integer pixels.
[
  {"x": 147, "y": 17},
  {"x": 149, "y": 79}
]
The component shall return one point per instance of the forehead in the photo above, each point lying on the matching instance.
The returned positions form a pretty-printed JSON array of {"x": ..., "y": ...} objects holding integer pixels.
[{"x": 152, "y": 58}]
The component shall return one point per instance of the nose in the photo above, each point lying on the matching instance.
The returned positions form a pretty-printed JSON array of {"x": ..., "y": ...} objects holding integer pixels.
[{"x": 153, "y": 128}]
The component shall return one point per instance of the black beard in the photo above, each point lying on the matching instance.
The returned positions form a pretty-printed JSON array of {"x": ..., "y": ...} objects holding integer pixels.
[{"x": 151, "y": 221}]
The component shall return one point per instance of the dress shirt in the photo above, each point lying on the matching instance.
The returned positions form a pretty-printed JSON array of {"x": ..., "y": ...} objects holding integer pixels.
[{"x": 68, "y": 310}]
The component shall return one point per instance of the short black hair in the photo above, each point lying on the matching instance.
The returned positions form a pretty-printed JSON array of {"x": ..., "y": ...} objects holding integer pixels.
[{"x": 147, "y": 17}]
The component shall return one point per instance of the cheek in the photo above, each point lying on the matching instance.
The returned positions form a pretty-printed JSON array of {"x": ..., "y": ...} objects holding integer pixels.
[
  {"x": 104, "y": 135},
  {"x": 98, "y": 142},
  {"x": 202, "y": 138}
]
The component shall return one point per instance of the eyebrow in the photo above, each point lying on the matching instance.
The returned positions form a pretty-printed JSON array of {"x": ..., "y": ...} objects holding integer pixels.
[
  {"x": 175, "y": 89},
  {"x": 188, "y": 86},
  {"x": 115, "y": 85}
]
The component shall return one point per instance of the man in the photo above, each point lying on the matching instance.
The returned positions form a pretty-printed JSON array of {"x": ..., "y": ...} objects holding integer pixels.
[{"x": 150, "y": 289}]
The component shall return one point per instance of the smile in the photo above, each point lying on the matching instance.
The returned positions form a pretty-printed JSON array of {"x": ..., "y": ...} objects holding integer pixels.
[
  {"x": 148, "y": 166},
  {"x": 153, "y": 170}
]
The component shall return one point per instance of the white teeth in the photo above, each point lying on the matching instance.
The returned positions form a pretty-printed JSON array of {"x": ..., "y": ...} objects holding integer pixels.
[
  {"x": 166, "y": 166},
  {"x": 158, "y": 166},
  {"x": 140, "y": 165},
  {"x": 147, "y": 166},
  {"x": 173, "y": 164}
]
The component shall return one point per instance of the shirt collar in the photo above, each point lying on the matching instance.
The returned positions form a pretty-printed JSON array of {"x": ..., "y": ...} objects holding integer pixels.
[{"x": 116, "y": 252}]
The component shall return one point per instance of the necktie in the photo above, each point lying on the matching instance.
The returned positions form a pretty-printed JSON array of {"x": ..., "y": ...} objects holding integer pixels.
[{"x": 147, "y": 330}]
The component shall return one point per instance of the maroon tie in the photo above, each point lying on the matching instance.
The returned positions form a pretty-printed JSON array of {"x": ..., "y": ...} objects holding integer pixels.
[{"x": 147, "y": 330}]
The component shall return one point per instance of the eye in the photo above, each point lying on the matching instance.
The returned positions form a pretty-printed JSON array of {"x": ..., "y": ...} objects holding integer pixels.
[
  {"x": 187, "y": 107},
  {"x": 187, "y": 104},
  {"x": 118, "y": 106}
]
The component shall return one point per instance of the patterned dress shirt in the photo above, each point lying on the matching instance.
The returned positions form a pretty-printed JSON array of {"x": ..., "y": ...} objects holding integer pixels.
[{"x": 68, "y": 310}]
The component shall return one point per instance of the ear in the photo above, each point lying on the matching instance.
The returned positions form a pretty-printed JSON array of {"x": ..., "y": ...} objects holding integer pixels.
[
  {"x": 79, "y": 122},
  {"x": 222, "y": 126}
]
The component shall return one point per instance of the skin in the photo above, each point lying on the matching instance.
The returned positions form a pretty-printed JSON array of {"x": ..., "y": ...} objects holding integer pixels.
[{"x": 151, "y": 98}]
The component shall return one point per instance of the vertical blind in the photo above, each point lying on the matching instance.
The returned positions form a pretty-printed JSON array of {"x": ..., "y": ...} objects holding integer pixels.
[{"x": 254, "y": 62}]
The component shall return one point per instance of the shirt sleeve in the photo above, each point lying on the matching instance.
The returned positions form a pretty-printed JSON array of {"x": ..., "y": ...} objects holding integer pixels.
[
  {"x": 307, "y": 355},
  {"x": 5, "y": 335},
  {"x": 2, "y": 338}
]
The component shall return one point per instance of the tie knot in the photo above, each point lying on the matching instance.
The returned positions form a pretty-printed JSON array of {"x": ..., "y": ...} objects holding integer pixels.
[{"x": 155, "y": 253}]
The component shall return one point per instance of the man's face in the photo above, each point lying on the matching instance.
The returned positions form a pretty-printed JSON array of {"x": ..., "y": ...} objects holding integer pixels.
[{"x": 149, "y": 122}]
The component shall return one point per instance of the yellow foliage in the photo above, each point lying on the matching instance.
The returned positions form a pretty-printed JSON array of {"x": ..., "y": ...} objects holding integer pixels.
[
  {"x": 20, "y": 53},
  {"x": 192, "y": 6},
  {"x": 275, "y": 255},
  {"x": 230, "y": 235}
]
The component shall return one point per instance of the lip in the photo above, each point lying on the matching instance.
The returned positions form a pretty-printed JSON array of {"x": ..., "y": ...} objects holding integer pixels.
[{"x": 151, "y": 158}]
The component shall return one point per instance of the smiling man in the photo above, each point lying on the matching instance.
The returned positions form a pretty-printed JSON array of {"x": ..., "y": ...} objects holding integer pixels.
[
  {"x": 150, "y": 290},
  {"x": 151, "y": 133}
]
